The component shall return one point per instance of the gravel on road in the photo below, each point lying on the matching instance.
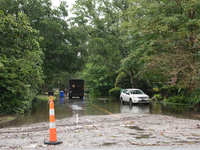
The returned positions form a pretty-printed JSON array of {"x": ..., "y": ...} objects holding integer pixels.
[{"x": 119, "y": 131}]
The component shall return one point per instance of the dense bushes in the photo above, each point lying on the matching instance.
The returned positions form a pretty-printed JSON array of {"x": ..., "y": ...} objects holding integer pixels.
[
  {"x": 177, "y": 99},
  {"x": 173, "y": 90},
  {"x": 97, "y": 80},
  {"x": 173, "y": 94},
  {"x": 194, "y": 98},
  {"x": 20, "y": 64}
]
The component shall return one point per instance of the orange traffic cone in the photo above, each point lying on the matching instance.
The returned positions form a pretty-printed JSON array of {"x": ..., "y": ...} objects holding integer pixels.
[{"x": 52, "y": 125}]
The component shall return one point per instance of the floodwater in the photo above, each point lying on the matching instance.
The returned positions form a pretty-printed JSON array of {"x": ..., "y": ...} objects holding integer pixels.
[{"x": 65, "y": 108}]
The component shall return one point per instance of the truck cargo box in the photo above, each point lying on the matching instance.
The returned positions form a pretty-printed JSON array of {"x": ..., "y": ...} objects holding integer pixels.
[{"x": 76, "y": 88}]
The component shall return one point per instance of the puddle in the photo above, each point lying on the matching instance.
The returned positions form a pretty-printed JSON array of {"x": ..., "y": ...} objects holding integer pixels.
[
  {"x": 134, "y": 127},
  {"x": 132, "y": 134},
  {"x": 143, "y": 136},
  {"x": 109, "y": 143},
  {"x": 193, "y": 138}
]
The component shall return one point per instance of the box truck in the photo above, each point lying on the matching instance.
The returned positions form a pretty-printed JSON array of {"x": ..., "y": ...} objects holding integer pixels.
[{"x": 76, "y": 88}]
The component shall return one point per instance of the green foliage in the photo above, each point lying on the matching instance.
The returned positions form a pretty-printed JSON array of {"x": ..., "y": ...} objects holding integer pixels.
[
  {"x": 149, "y": 41},
  {"x": 94, "y": 93},
  {"x": 177, "y": 99},
  {"x": 98, "y": 80},
  {"x": 115, "y": 92},
  {"x": 60, "y": 44},
  {"x": 123, "y": 81},
  {"x": 156, "y": 90},
  {"x": 44, "y": 97},
  {"x": 194, "y": 98},
  {"x": 157, "y": 97},
  {"x": 99, "y": 22},
  {"x": 173, "y": 90},
  {"x": 165, "y": 41},
  {"x": 20, "y": 57},
  {"x": 173, "y": 94}
]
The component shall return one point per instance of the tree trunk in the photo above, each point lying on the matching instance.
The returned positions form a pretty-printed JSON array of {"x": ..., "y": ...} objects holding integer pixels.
[{"x": 132, "y": 80}]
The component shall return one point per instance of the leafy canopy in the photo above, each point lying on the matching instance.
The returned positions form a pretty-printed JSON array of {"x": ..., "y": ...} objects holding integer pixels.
[{"x": 20, "y": 63}]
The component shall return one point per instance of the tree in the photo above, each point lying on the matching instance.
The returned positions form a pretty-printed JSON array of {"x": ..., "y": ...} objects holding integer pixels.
[
  {"x": 60, "y": 53},
  {"x": 20, "y": 63},
  {"x": 165, "y": 36},
  {"x": 98, "y": 79},
  {"x": 101, "y": 22}
]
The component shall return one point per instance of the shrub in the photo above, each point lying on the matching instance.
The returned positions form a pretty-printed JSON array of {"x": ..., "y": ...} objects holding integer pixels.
[
  {"x": 173, "y": 90},
  {"x": 94, "y": 93},
  {"x": 157, "y": 97},
  {"x": 194, "y": 98},
  {"x": 177, "y": 99},
  {"x": 170, "y": 99},
  {"x": 115, "y": 92}
]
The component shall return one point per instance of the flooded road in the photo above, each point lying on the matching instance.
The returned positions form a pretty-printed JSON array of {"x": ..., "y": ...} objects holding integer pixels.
[{"x": 65, "y": 108}]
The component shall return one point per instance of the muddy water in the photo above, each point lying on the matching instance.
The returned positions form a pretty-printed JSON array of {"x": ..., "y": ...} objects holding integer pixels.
[{"x": 65, "y": 108}]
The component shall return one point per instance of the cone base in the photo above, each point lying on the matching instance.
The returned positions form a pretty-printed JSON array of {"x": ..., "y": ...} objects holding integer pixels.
[{"x": 53, "y": 143}]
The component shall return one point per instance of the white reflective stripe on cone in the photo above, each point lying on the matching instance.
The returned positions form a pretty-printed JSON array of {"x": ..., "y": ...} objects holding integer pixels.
[
  {"x": 51, "y": 112},
  {"x": 52, "y": 125}
]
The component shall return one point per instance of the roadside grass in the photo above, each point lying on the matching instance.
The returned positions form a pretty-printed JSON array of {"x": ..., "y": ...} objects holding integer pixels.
[
  {"x": 56, "y": 93},
  {"x": 45, "y": 97},
  {"x": 6, "y": 119}
]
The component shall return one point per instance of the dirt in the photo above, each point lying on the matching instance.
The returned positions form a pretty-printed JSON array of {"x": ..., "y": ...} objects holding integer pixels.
[{"x": 107, "y": 131}]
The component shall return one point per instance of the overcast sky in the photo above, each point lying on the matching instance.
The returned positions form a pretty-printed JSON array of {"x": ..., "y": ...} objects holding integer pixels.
[{"x": 69, "y": 3}]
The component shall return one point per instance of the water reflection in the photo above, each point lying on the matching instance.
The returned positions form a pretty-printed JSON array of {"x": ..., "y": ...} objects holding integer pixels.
[
  {"x": 39, "y": 113},
  {"x": 138, "y": 109},
  {"x": 76, "y": 107},
  {"x": 62, "y": 100},
  {"x": 65, "y": 108},
  {"x": 176, "y": 110}
]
